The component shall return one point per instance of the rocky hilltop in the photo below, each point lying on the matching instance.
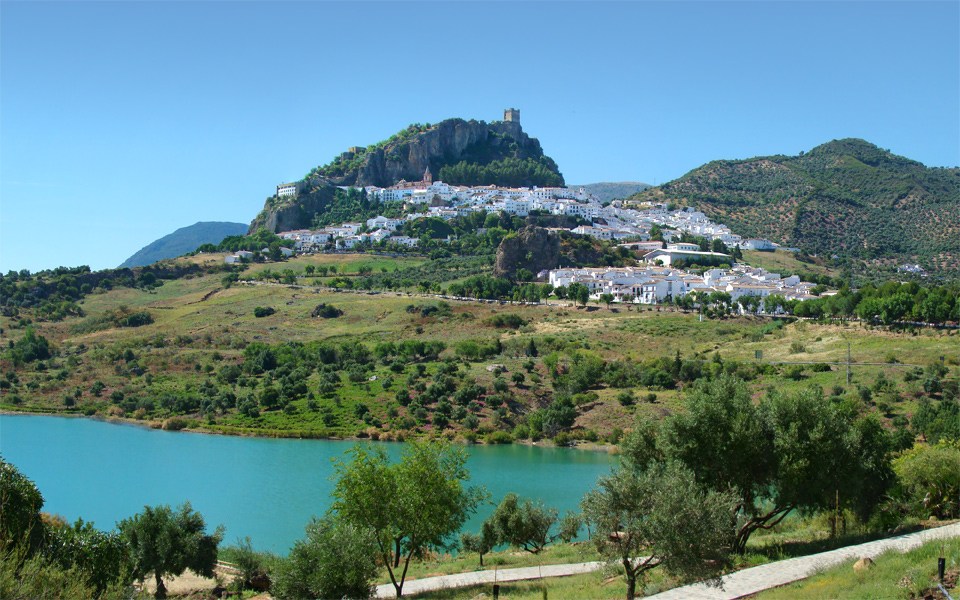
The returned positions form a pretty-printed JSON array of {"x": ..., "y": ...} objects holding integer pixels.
[
  {"x": 846, "y": 197},
  {"x": 487, "y": 150},
  {"x": 455, "y": 151}
]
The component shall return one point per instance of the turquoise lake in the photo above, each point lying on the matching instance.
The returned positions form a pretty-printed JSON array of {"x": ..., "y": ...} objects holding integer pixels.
[{"x": 263, "y": 488}]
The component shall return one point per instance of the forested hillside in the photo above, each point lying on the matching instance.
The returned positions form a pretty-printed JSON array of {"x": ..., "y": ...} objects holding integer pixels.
[{"x": 847, "y": 198}]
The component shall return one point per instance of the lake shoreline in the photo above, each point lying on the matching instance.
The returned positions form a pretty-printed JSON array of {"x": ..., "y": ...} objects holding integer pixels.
[
  {"x": 268, "y": 489},
  {"x": 278, "y": 435}
]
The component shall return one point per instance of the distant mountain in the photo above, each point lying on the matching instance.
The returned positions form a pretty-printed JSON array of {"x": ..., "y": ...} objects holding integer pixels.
[
  {"x": 184, "y": 240},
  {"x": 454, "y": 151},
  {"x": 846, "y": 197},
  {"x": 608, "y": 191}
]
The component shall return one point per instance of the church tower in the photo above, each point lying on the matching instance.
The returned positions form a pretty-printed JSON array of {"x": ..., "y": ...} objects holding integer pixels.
[{"x": 427, "y": 177}]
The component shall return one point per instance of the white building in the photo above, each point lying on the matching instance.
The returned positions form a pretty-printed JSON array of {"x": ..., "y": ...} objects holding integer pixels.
[{"x": 758, "y": 244}]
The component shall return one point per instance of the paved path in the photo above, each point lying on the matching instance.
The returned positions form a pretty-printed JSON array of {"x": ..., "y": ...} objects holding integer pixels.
[
  {"x": 735, "y": 585},
  {"x": 416, "y": 586},
  {"x": 756, "y": 579}
]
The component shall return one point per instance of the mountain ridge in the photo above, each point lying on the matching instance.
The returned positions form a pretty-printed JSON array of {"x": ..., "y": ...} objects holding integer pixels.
[{"x": 184, "y": 240}]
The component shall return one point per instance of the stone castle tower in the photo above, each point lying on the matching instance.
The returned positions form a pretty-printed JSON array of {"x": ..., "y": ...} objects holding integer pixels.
[{"x": 511, "y": 115}]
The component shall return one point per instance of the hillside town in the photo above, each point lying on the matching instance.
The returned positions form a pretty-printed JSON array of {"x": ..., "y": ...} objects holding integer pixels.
[
  {"x": 428, "y": 198},
  {"x": 658, "y": 278}
]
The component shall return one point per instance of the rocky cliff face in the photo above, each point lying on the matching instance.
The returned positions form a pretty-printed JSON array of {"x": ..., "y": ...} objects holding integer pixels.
[
  {"x": 533, "y": 248},
  {"x": 408, "y": 155},
  {"x": 470, "y": 152},
  {"x": 295, "y": 213}
]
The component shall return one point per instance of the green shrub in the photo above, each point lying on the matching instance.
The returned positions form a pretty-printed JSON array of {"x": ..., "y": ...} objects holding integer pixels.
[
  {"x": 499, "y": 437},
  {"x": 326, "y": 311},
  {"x": 507, "y": 321},
  {"x": 263, "y": 311}
]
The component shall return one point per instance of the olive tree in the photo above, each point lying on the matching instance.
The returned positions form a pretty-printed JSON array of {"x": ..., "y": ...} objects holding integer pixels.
[
  {"x": 523, "y": 524},
  {"x": 417, "y": 504},
  {"x": 482, "y": 542},
  {"x": 335, "y": 560},
  {"x": 643, "y": 518},
  {"x": 168, "y": 542},
  {"x": 793, "y": 451}
]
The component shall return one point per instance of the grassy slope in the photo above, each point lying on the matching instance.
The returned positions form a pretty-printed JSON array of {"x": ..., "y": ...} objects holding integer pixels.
[
  {"x": 894, "y": 575},
  {"x": 784, "y": 262},
  {"x": 205, "y": 327}
]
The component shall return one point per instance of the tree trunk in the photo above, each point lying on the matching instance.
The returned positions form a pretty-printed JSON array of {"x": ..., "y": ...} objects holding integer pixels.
[
  {"x": 481, "y": 559},
  {"x": 161, "y": 590},
  {"x": 396, "y": 554},
  {"x": 631, "y": 586}
]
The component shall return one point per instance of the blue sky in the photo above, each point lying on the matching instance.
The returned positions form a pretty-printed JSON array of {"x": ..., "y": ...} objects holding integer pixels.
[{"x": 122, "y": 121}]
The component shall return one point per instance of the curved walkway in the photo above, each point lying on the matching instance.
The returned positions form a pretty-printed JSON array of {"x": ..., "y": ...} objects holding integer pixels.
[
  {"x": 429, "y": 584},
  {"x": 771, "y": 575},
  {"x": 735, "y": 585}
]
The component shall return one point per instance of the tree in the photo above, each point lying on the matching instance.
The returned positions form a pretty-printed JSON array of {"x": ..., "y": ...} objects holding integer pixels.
[
  {"x": 20, "y": 504},
  {"x": 29, "y": 348},
  {"x": 335, "y": 560},
  {"x": 643, "y": 518},
  {"x": 101, "y": 557},
  {"x": 410, "y": 506},
  {"x": 928, "y": 480},
  {"x": 606, "y": 299},
  {"x": 523, "y": 524},
  {"x": 570, "y": 526},
  {"x": 482, "y": 542},
  {"x": 579, "y": 293},
  {"x": 167, "y": 542},
  {"x": 792, "y": 451}
]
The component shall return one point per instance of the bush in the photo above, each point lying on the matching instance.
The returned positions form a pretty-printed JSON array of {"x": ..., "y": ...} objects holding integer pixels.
[
  {"x": 507, "y": 321},
  {"x": 928, "y": 480},
  {"x": 175, "y": 424},
  {"x": 263, "y": 311},
  {"x": 137, "y": 319},
  {"x": 326, "y": 311},
  {"x": 499, "y": 437},
  {"x": 254, "y": 573}
]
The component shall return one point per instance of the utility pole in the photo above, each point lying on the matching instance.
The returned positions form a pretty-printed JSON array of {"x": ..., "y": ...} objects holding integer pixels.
[{"x": 848, "y": 363}]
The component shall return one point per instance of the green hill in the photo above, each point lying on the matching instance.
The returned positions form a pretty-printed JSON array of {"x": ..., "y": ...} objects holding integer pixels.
[
  {"x": 846, "y": 197},
  {"x": 184, "y": 240}
]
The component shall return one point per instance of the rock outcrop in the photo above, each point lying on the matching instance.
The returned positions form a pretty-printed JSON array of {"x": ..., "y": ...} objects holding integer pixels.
[
  {"x": 407, "y": 155},
  {"x": 459, "y": 151},
  {"x": 532, "y": 248},
  {"x": 285, "y": 214}
]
